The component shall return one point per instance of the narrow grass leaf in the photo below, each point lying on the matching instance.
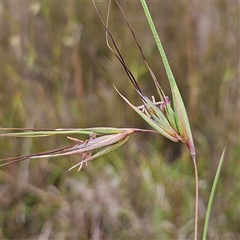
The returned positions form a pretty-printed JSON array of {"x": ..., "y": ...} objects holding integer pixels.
[{"x": 212, "y": 195}]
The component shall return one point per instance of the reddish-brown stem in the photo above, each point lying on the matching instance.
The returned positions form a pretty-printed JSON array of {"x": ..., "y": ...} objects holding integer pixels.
[{"x": 196, "y": 201}]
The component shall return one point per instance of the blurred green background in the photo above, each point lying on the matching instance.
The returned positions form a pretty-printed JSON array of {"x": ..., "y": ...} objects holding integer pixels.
[{"x": 58, "y": 72}]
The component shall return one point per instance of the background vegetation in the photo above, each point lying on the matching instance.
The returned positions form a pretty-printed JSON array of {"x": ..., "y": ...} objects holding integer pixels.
[{"x": 57, "y": 72}]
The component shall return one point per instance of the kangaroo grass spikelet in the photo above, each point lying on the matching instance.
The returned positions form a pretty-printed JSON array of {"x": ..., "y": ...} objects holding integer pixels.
[{"x": 100, "y": 142}]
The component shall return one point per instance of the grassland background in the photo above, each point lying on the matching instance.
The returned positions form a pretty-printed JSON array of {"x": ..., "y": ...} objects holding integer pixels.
[{"x": 56, "y": 71}]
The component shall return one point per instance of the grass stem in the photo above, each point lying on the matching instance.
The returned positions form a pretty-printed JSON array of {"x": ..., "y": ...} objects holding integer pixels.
[{"x": 196, "y": 200}]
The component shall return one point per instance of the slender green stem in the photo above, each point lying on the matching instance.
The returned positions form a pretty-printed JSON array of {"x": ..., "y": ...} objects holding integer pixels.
[{"x": 212, "y": 195}]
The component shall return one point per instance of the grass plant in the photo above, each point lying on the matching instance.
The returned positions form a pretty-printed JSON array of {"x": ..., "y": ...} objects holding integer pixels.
[{"x": 166, "y": 116}]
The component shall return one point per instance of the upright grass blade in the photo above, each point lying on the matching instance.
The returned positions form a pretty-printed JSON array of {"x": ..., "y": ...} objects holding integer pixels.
[{"x": 212, "y": 195}]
